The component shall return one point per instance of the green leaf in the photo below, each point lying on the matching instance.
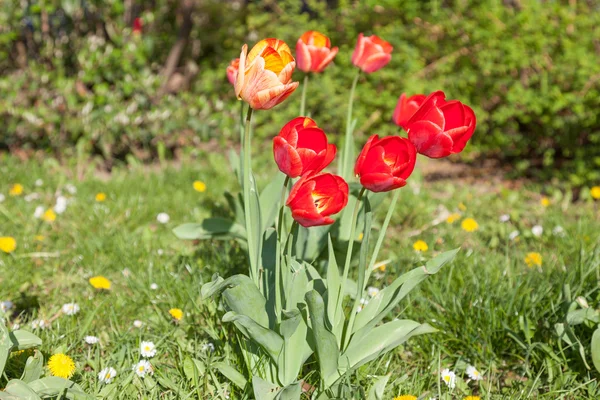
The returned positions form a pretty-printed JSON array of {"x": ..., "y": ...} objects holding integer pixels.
[
  {"x": 376, "y": 391},
  {"x": 33, "y": 367},
  {"x": 23, "y": 340},
  {"x": 579, "y": 316},
  {"x": 269, "y": 201},
  {"x": 5, "y": 345},
  {"x": 270, "y": 341},
  {"x": 334, "y": 285},
  {"x": 232, "y": 374},
  {"x": 290, "y": 392},
  {"x": 193, "y": 369},
  {"x": 53, "y": 386},
  {"x": 256, "y": 225},
  {"x": 325, "y": 343},
  {"x": 211, "y": 228},
  {"x": 264, "y": 390},
  {"x": 295, "y": 349},
  {"x": 596, "y": 349},
  {"x": 21, "y": 390},
  {"x": 310, "y": 242}
]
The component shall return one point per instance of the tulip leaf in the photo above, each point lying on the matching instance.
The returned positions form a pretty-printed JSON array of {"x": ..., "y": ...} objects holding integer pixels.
[
  {"x": 20, "y": 389},
  {"x": 297, "y": 286},
  {"x": 269, "y": 201},
  {"x": 376, "y": 391},
  {"x": 23, "y": 340},
  {"x": 33, "y": 367},
  {"x": 53, "y": 386},
  {"x": 334, "y": 285},
  {"x": 596, "y": 349},
  {"x": 236, "y": 204},
  {"x": 5, "y": 345},
  {"x": 256, "y": 229},
  {"x": 310, "y": 242},
  {"x": 211, "y": 228},
  {"x": 290, "y": 392},
  {"x": 232, "y": 374},
  {"x": 295, "y": 350},
  {"x": 325, "y": 343},
  {"x": 268, "y": 340},
  {"x": 234, "y": 161},
  {"x": 264, "y": 390}
]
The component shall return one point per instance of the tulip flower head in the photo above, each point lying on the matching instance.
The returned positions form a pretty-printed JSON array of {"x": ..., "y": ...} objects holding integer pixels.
[
  {"x": 406, "y": 108},
  {"x": 264, "y": 77},
  {"x": 302, "y": 147},
  {"x": 314, "y": 52},
  {"x": 439, "y": 127},
  {"x": 137, "y": 26},
  {"x": 315, "y": 197},
  {"x": 371, "y": 53},
  {"x": 232, "y": 70},
  {"x": 385, "y": 164}
]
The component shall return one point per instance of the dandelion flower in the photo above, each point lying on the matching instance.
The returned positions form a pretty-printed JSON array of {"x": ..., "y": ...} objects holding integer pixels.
[
  {"x": 39, "y": 238},
  {"x": 595, "y": 192},
  {"x": 381, "y": 268},
  {"x": 449, "y": 378},
  {"x": 137, "y": 323},
  {"x": 420, "y": 245},
  {"x": 176, "y": 313},
  {"x": 100, "y": 197},
  {"x": 61, "y": 365},
  {"x": 70, "y": 308},
  {"x": 16, "y": 190},
  {"x": 452, "y": 218},
  {"x": 91, "y": 340},
  {"x": 361, "y": 236},
  {"x": 8, "y": 244},
  {"x": 142, "y": 368},
  {"x": 537, "y": 230},
  {"x": 107, "y": 375},
  {"x": 163, "y": 218},
  {"x": 462, "y": 207},
  {"x": 544, "y": 201},
  {"x": 472, "y": 398},
  {"x": 473, "y": 373},
  {"x": 406, "y": 397},
  {"x": 469, "y": 225},
  {"x": 199, "y": 186},
  {"x": 49, "y": 215},
  {"x": 147, "y": 349},
  {"x": 533, "y": 260},
  {"x": 100, "y": 282}
]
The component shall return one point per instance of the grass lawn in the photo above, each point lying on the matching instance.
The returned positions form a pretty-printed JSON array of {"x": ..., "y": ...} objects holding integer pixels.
[{"x": 493, "y": 311}]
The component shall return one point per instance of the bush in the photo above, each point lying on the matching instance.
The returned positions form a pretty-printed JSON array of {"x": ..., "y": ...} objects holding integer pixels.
[{"x": 529, "y": 69}]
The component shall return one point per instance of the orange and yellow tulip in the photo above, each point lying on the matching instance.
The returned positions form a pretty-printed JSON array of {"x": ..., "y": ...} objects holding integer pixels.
[
  {"x": 314, "y": 52},
  {"x": 264, "y": 77}
]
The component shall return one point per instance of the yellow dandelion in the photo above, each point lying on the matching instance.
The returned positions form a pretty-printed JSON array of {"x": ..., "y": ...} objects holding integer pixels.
[
  {"x": 176, "y": 313},
  {"x": 61, "y": 365},
  {"x": 453, "y": 218},
  {"x": 533, "y": 260},
  {"x": 100, "y": 197},
  {"x": 544, "y": 201},
  {"x": 49, "y": 215},
  {"x": 16, "y": 190},
  {"x": 462, "y": 207},
  {"x": 382, "y": 268},
  {"x": 39, "y": 238},
  {"x": 469, "y": 225},
  {"x": 406, "y": 397},
  {"x": 199, "y": 186},
  {"x": 361, "y": 236},
  {"x": 420, "y": 245},
  {"x": 472, "y": 398},
  {"x": 100, "y": 282},
  {"x": 7, "y": 244},
  {"x": 595, "y": 192}
]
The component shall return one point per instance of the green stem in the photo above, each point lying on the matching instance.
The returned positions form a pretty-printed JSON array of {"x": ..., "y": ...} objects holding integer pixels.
[
  {"x": 246, "y": 184},
  {"x": 278, "y": 299},
  {"x": 349, "y": 252},
  {"x": 349, "y": 140},
  {"x": 242, "y": 130},
  {"x": 303, "y": 101}
]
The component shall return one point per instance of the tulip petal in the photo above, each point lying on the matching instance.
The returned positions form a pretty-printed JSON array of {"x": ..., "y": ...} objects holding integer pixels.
[
  {"x": 429, "y": 139},
  {"x": 358, "y": 166},
  {"x": 381, "y": 182},
  {"x": 308, "y": 219},
  {"x": 460, "y": 139},
  {"x": 376, "y": 62},
  {"x": 241, "y": 74},
  {"x": 320, "y": 65},
  {"x": 286, "y": 157},
  {"x": 303, "y": 59},
  {"x": 270, "y": 97},
  {"x": 358, "y": 50}
]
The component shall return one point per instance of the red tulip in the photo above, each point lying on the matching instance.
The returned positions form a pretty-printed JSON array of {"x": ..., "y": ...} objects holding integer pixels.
[
  {"x": 232, "y": 70},
  {"x": 385, "y": 164},
  {"x": 314, "y": 52},
  {"x": 371, "y": 53},
  {"x": 302, "y": 147},
  {"x": 439, "y": 127},
  {"x": 315, "y": 197},
  {"x": 406, "y": 107}
]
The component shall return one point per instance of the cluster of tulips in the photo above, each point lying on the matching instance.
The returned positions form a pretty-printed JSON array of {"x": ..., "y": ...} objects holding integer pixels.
[{"x": 435, "y": 127}]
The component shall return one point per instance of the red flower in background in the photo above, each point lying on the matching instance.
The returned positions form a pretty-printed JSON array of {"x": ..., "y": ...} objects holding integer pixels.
[
  {"x": 315, "y": 197},
  {"x": 232, "y": 70},
  {"x": 385, "y": 164},
  {"x": 439, "y": 127},
  {"x": 314, "y": 52},
  {"x": 137, "y": 26},
  {"x": 302, "y": 147},
  {"x": 406, "y": 107},
  {"x": 371, "y": 53}
]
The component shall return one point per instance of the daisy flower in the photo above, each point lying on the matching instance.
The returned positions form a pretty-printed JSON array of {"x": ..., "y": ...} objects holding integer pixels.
[
  {"x": 533, "y": 260},
  {"x": 513, "y": 235},
  {"x": 39, "y": 182},
  {"x": 147, "y": 349},
  {"x": 372, "y": 291},
  {"x": 420, "y": 245},
  {"x": 208, "y": 347},
  {"x": 61, "y": 365},
  {"x": 137, "y": 323},
  {"x": 39, "y": 324},
  {"x": 32, "y": 196},
  {"x": 537, "y": 230},
  {"x": 2, "y": 198},
  {"x": 153, "y": 286},
  {"x": 99, "y": 282},
  {"x": 473, "y": 373},
  {"x": 107, "y": 375},
  {"x": 449, "y": 378},
  {"x": 558, "y": 231},
  {"x": 69, "y": 187},
  {"x": 61, "y": 205},
  {"x": 163, "y": 218},
  {"x": 469, "y": 225},
  {"x": 39, "y": 212},
  {"x": 100, "y": 197},
  {"x": 504, "y": 218},
  {"x": 199, "y": 186},
  {"x": 142, "y": 368},
  {"x": 8, "y": 244},
  {"x": 176, "y": 313},
  {"x": 6, "y": 306},
  {"x": 70, "y": 308},
  {"x": 91, "y": 340}
]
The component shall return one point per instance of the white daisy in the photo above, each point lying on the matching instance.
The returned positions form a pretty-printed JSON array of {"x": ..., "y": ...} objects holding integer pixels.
[
  {"x": 107, "y": 375},
  {"x": 513, "y": 235},
  {"x": 61, "y": 205},
  {"x": 449, "y": 378},
  {"x": 142, "y": 368},
  {"x": 91, "y": 339},
  {"x": 2, "y": 197},
  {"x": 70, "y": 308},
  {"x": 39, "y": 182},
  {"x": 70, "y": 188},
  {"x": 32, "y": 196},
  {"x": 153, "y": 286},
  {"x": 504, "y": 218},
  {"x": 137, "y": 323},
  {"x": 39, "y": 211},
  {"x": 372, "y": 291},
  {"x": 39, "y": 324},
  {"x": 163, "y": 218},
  {"x": 208, "y": 347},
  {"x": 537, "y": 230},
  {"x": 160, "y": 252},
  {"x": 558, "y": 231},
  {"x": 6, "y": 306},
  {"x": 147, "y": 349},
  {"x": 473, "y": 373},
  {"x": 16, "y": 327},
  {"x": 126, "y": 272}
]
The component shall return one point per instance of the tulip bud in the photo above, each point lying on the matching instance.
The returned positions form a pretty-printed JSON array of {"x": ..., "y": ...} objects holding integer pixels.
[{"x": 314, "y": 52}]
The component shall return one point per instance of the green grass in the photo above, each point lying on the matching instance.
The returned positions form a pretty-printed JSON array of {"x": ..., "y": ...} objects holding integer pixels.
[{"x": 492, "y": 311}]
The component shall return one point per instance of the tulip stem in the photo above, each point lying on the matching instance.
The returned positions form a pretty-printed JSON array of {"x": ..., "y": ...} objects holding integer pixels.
[
  {"x": 247, "y": 183},
  {"x": 241, "y": 166},
  {"x": 303, "y": 99},
  {"x": 278, "y": 255},
  {"x": 349, "y": 251},
  {"x": 349, "y": 140}
]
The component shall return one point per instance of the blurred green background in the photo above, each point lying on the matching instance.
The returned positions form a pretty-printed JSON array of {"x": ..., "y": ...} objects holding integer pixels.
[{"x": 76, "y": 79}]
